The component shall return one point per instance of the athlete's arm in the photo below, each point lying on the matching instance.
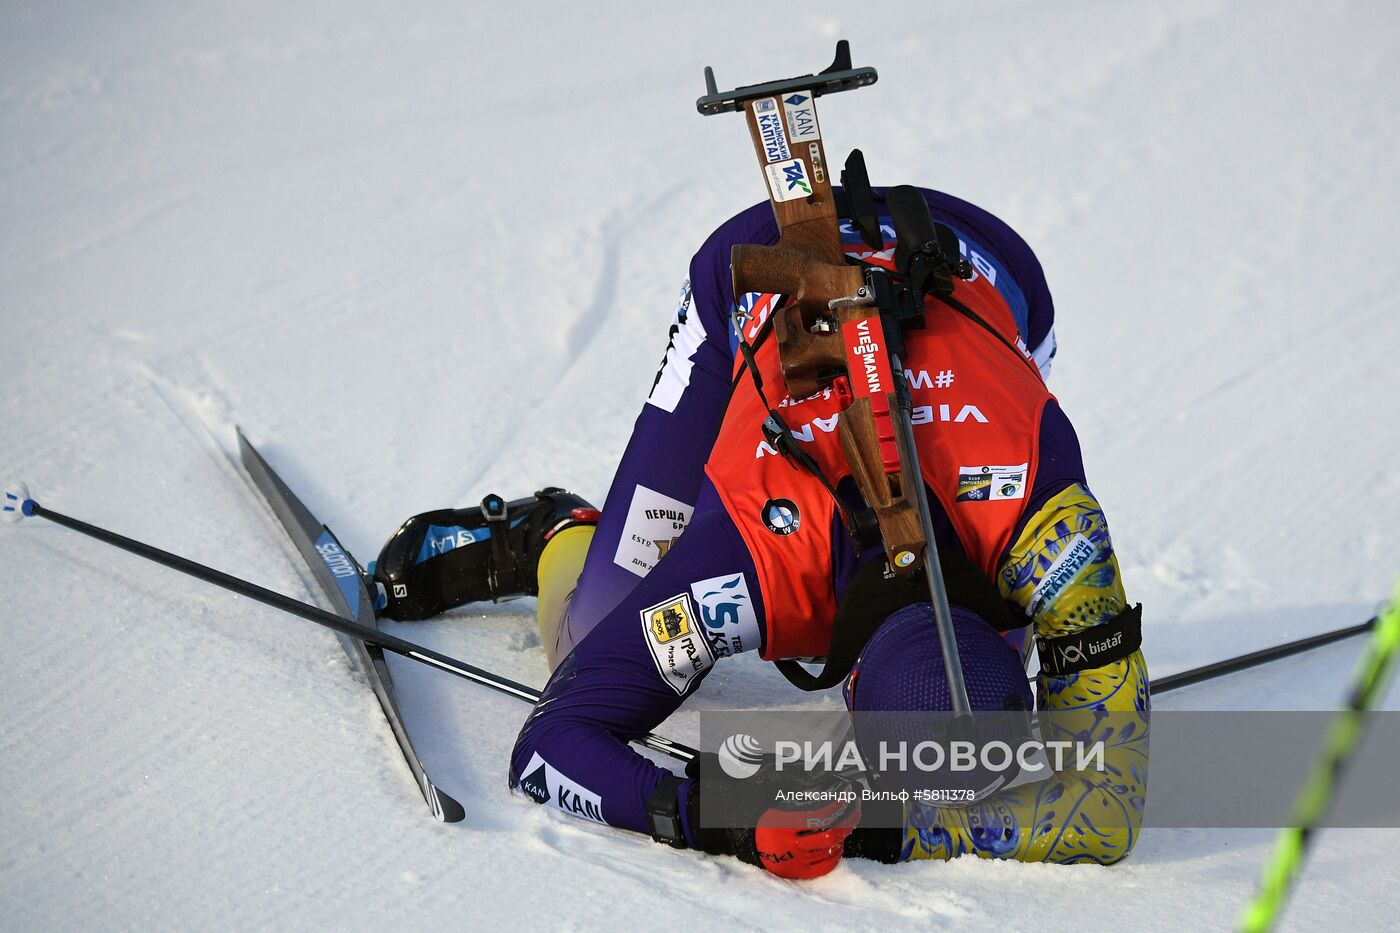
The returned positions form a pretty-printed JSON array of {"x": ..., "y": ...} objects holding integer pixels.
[{"x": 1062, "y": 572}]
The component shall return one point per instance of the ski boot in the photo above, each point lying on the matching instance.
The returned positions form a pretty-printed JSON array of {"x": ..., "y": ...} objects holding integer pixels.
[{"x": 438, "y": 560}]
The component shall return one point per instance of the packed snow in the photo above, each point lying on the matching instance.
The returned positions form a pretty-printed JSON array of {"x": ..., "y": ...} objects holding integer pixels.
[{"x": 425, "y": 251}]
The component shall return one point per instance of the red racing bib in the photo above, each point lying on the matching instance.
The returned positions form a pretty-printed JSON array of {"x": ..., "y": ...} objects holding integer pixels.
[{"x": 977, "y": 400}]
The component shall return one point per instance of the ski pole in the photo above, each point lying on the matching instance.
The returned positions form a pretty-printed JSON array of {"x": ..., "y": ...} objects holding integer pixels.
[
  {"x": 1229, "y": 666},
  {"x": 18, "y": 505},
  {"x": 933, "y": 571},
  {"x": 918, "y": 243},
  {"x": 1315, "y": 799},
  {"x": 1206, "y": 672}
]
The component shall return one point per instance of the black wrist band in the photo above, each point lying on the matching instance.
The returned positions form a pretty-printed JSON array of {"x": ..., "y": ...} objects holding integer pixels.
[
  {"x": 664, "y": 813},
  {"x": 1094, "y": 647}
]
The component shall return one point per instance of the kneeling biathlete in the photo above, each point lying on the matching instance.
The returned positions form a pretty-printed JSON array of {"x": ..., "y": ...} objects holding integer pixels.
[{"x": 711, "y": 543}]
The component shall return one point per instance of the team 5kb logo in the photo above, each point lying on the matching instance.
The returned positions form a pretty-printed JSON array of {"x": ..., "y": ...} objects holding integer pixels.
[{"x": 727, "y": 613}]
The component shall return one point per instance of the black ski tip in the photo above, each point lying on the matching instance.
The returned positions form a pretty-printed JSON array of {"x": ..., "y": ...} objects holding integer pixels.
[{"x": 445, "y": 809}]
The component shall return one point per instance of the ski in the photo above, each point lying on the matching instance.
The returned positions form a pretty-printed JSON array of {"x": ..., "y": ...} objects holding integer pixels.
[{"x": 342, "y": 582}]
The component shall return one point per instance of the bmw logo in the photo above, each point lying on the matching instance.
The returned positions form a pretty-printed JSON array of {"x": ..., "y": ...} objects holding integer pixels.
[{"x": 781, "y": 516}]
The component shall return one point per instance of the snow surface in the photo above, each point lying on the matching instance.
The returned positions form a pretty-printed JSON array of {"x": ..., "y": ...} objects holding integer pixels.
[{"x": 424, "y": 251}]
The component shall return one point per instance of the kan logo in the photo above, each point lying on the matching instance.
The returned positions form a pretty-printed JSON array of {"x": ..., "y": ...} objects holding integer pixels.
[{"x": 801, "y": 114}]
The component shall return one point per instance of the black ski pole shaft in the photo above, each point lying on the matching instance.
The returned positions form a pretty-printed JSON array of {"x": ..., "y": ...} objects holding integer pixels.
[
  {"x": 1263, "y": 656},
  {"x": 915, "y": 232},
  {"x": 287, "y": 604},
  {"x": 933, "y": 572},
  {"x": 321, "y": 616}
]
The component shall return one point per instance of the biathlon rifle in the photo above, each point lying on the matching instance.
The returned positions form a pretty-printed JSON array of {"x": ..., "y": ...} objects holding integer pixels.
[{"x": 842, "y": 325}]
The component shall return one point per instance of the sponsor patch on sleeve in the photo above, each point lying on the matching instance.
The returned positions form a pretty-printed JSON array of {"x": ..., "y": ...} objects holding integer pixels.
[
  {"x": 681, "y": 651},
  {"x": 1070, "y": 562},
  {"x": 989, "y": 483},
  {"x": 654, "y": 523},
  {"x": 544, "y": 783},
  {"x": 727, "y": 615}
]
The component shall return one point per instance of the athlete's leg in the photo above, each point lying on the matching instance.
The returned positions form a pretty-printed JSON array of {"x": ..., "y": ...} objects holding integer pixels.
[
  {"x": 442, "y": 559},
  {"x": 655, "y": 488},
  {"x": 634, "y": 669},
  {"x": 559, "y": 570}
]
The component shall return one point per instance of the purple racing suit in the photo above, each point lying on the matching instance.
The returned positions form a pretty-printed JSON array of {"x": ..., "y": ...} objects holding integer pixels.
[{"x": 665, "y": 531}]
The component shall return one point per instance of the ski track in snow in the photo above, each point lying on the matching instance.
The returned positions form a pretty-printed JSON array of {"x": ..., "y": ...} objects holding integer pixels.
[{"x": 428, "y": 252}]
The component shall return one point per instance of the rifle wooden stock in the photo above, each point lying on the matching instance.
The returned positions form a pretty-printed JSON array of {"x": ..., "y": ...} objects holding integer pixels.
[
  {"x": 810, "y": 284},
  {"x": 884, "y": 492},
  {"x": 808, "y": 265},
  {"x": 808, "y": 224}
]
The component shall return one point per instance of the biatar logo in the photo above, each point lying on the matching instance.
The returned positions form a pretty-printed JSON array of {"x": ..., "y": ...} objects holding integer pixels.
[
  {"x": 922, "y": 414},
  {"x": 727, "y": 612},
  {"x": 543, "y": 783},
  {"x": 788, "y": 180},
  {"x": 740, "y": 756},
  {"x": 681, "y": 651},
  {"x": 1087, "y": 647},
  {"x": 654, "y": 522}
]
